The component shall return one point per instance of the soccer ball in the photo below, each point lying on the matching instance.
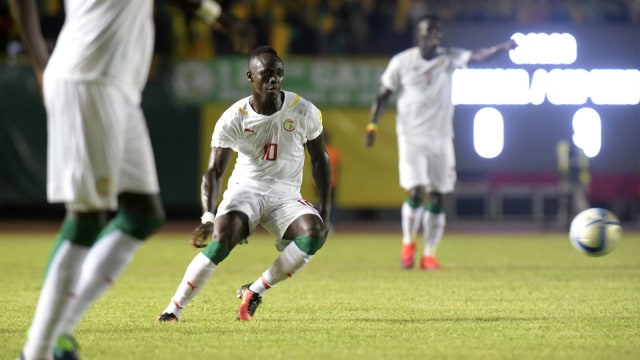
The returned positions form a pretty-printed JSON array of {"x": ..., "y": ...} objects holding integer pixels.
[{"x": 595, "y": 231}]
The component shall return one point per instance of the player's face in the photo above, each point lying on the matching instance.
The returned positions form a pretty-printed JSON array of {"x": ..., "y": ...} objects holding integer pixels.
[
  {"x": 266, "y": 73},
  {"x": 429, "y": 36}
]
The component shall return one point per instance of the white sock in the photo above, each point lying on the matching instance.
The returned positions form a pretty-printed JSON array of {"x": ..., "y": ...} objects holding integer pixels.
[
  {"x": 290, "y": 261},
  {"x": 195, "y": 277},
  {"x": 103, "y": 265},
  {"x": 433, "y": 230},
  {"x": 411, "y": 219},
  {"x": 55, "y": 297}
]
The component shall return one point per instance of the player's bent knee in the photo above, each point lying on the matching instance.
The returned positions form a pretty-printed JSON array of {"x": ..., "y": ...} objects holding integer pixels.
[
  {"x": 139, "y": 226},
  {"x": 309, "y": 245},
  {"x": 216, "y": 252}
]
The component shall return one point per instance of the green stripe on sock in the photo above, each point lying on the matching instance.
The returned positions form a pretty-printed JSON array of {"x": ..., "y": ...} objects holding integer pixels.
[
  {"x": 413, "y": 203},
  {"x": 308, "y": 244},
  {"x": 215, "y": 252},
  {"x": 138, "y": 226},
  {"x": 83, "y": 233},
  {"x": 435, "y": 209}
]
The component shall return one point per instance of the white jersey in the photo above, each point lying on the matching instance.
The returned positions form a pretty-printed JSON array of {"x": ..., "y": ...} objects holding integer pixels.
[
  {"x": 425, "y": 109},
  {"x": 108, "y": 40},
  {"x": 271, "y": 148}
]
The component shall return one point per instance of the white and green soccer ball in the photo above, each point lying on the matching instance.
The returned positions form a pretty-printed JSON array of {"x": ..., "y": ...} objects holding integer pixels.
[{"x": 595, "y": 231}]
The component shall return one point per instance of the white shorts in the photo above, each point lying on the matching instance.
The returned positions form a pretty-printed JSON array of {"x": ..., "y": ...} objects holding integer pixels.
[
  {"x": 431, "y": 164},
  {"x": 275, "y": 212},
  {"x": 98, "y": 145}
]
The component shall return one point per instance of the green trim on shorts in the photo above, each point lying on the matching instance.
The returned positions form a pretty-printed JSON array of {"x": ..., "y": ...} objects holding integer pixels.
[
  {"x": 215, "y": 252},
  {"x": 308, "y": 245},
  {"x": 139, "y": 226}
]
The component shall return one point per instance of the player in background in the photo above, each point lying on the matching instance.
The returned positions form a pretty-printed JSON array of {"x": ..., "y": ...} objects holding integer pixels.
[
  {"x": 573, "y": 181},
  {"x": 422, "y": 78},
  {"x": 269, "y": 130},
  {"x": 99, "y": 155}
]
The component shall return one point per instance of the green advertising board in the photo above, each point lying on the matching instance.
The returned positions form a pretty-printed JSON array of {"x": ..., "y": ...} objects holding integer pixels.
[{"x": 326, "y": 82}]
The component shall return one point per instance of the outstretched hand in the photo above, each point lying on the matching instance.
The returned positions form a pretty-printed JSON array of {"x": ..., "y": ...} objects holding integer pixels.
[
  {"x": 510, "y": 44},
  {"x": 369, "y": 138},
  {"x": 200, "y": 235}
]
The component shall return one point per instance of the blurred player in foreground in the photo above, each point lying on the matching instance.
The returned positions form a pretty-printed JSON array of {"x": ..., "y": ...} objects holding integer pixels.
[
  {"x": 99, "y": 155},
  {"x": 422, "y": 77},
  {"x": 269, "y": 130}
]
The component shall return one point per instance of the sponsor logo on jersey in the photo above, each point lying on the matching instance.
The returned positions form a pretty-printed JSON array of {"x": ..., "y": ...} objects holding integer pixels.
[
  {"x": 250, "y": 130},
  {"x": 289, "y": 125}
]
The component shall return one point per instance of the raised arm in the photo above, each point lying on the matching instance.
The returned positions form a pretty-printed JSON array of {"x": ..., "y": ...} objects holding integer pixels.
[
  {"x": 486, "y": 53},
  {"x": 210, "y": 191},
  {"x": 321, "y": 172},
  {"x": 25, "y": 13},
  {"x": 377, "y": 109}
]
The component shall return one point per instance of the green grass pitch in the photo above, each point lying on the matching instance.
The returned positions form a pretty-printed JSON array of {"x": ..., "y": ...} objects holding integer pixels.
[{"x": 498, "y": 296}]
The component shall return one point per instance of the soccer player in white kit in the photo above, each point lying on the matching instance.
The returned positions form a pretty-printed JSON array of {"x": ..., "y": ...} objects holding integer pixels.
[
  {"x": 269, "y": 130},
  {"x": 422, "y": 78},
  {"x": 99, "y": 155}
]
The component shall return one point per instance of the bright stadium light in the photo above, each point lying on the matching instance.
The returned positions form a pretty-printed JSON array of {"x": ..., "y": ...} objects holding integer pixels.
[
  {"x": 541, "y": 48},
  {"x": 568, "y": 87},
  {"x": 587, "y": 131},
  {"x": 557, "y": 86},
  {"x": 614, "y": 87},
  {"x": 488, "y": 132},
  {"x": 491, "y": 86},
  {"x": 560, "y": 85}
]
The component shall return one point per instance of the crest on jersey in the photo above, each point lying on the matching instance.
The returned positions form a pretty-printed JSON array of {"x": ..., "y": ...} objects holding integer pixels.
[
  {"x": 104, "y": 186},
  {"x": 289, "y": 125}
]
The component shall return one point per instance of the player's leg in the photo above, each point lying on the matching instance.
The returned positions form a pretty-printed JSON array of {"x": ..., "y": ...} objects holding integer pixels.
[
  {"x": 229, "y": 230},
  {"x": 412, "y": 167},
  {"x": 71, "y": 179},
  {"x": 433, "y": 223},
  {"x": 123, "y": 162},
  {"x": 298, "y": 223},
  {"x": 442, "y": 178},
  {"x": 411, "y": 219},
  {"x": 77, "y": 234},
  {"x": 238, "y": 215},
  {"x": 139, "y": 217},
  {"x": 563, "y": 210}
]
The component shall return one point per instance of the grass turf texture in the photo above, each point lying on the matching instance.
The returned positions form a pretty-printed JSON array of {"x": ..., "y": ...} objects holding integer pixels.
[{"x": 498, "y": 296}]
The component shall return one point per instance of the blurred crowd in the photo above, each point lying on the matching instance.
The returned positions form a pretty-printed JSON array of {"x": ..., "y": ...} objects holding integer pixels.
[{"x": 336, "y": 27}]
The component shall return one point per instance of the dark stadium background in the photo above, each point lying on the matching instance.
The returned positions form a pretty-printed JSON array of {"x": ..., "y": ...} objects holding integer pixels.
[{"x": 519, "y": 184}]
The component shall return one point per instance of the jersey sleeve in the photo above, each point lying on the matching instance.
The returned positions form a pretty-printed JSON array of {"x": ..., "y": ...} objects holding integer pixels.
[
  {"x": 226, "y": 130},
  {"x": 459, "y": 57},
  {"x": 314, "y": 128},
  {"x": 390, "y": 77}
]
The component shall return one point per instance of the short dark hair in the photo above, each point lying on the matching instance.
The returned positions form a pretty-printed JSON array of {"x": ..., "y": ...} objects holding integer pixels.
[
  {"x": 264, "y": 49},
  {"x": 430, "y": 17}
]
